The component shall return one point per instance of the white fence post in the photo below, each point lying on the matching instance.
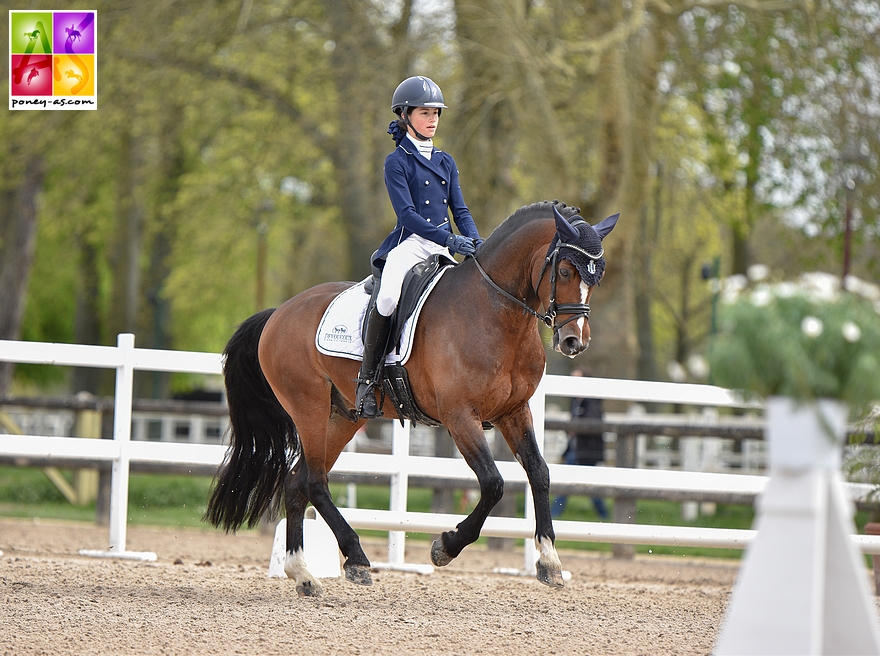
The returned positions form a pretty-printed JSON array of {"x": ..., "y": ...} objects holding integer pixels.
[
  {"x": 399, "y": 488},
  {"x": 121, "y": 464},
  {"x": 538, "y": 406},
  {"x": 690, "y": 448},
  {"x": 122, "y": 436}
]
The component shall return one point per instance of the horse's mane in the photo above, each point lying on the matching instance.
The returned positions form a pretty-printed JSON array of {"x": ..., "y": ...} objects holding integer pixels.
[{"x": 525, "y": 215}]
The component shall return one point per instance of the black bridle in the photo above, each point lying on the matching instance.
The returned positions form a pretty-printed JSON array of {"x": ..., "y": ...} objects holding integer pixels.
[{"x": 576, "y": 310}]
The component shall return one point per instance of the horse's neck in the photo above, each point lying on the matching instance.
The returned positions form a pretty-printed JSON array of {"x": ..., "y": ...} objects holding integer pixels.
[{"x": 515, "y": 265}]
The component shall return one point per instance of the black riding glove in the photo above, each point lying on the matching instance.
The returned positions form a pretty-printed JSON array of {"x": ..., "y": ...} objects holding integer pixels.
[{"x": 458, "y": 244}]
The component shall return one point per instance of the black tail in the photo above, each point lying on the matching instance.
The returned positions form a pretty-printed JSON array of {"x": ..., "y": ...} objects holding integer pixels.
[{"x": 263, "y": 440}]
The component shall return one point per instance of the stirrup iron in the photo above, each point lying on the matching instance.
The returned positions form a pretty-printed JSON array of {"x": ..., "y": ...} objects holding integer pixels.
[{"x": 365, "y": 403}]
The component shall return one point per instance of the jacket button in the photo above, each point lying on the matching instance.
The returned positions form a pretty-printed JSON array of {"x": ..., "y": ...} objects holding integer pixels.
[
  {"x": 427, "y": 182},
  {"x": 443, "y": 182},
  {"x": 427, "y": 202},
  {"x": 444, "y": 201}
]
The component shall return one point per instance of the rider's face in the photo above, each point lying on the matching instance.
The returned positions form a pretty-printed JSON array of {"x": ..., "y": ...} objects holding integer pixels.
[{"x": 424, "y": 120}]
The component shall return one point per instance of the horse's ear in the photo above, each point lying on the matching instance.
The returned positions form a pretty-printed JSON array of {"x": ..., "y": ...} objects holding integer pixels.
[
  {"x": 566, "y": 231},
  {"x": 606, "y": 225}
]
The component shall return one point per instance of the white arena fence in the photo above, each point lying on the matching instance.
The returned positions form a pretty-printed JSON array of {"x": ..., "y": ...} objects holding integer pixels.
[{"x": 399, "y": 465}]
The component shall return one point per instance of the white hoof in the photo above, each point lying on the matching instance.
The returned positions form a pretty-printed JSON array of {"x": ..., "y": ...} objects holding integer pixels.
[
  {"x": 306, "y": 584},
  {"x": 549, "y": 567}
]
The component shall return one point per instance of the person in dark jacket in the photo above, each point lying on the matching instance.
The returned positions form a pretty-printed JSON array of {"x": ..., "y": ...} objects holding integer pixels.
[
  {"x": 584, "y": 448},
  {"x": 423, "y": 187}
]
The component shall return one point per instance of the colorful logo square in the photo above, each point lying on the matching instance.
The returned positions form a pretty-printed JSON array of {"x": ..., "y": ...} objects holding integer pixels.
[
  {"x": 74, "y": 32},
  {"x": 30, "y": 32},
  {"x": 53, "y": 59},
  {"x": 31, "y": 75},
  {"x": 74, "y": 75}
]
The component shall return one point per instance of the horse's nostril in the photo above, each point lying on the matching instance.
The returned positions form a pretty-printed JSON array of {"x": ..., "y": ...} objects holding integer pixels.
[{"x": 572, "y": 344}]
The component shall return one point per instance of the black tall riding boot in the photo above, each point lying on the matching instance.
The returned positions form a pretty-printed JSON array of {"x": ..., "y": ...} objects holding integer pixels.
[{"x": 375, "y": 343}]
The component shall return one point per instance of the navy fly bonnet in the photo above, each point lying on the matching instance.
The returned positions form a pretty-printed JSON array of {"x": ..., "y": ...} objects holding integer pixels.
[{"x": 582, "y": 246}]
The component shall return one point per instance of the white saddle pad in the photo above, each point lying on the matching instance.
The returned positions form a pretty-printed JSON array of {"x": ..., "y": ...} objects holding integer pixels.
[{"x": 339, "y": 332}]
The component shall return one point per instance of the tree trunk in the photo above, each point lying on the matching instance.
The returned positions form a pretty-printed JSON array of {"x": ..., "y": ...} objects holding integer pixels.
[
  {"x": 646, "y": 365},
  {"x": 18, "y": 230},
  {"x": 483, "y": 142},
  {"x": 356, "y": 158},
  {"x": 127, "y": 250},
  {"x": 87, "y": 321},
  {"x": 625, "y": 138}
]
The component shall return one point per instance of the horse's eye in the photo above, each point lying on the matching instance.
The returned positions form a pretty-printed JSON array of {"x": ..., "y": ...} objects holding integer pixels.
[{"x": 565, "y": 274}]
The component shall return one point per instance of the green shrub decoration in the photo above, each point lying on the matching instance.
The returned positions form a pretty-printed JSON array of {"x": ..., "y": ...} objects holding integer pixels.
[{"x": 805, "y": 340}]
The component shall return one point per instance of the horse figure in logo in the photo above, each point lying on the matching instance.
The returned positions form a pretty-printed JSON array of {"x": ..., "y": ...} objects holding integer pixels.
[{"x": 477, "y": 358}]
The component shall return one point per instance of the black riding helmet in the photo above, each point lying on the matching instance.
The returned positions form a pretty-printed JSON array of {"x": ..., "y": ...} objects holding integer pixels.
[{"x": 418, "y": 91}]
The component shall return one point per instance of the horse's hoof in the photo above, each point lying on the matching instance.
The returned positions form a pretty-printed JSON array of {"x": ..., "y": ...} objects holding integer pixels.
[
  {"x": 309, "y": 589},
  {"x": 438, "y": 554},
  {"x": 358, "y": 574},
  {"x": 551, "y": 577}
]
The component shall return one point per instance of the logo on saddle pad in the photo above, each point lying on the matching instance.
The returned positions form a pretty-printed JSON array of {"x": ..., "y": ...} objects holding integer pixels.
[
  {"x": 338, "y": 334},
  {"x": 339, "y": 331}
]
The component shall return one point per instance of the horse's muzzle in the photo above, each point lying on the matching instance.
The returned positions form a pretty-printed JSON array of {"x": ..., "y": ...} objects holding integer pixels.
[{"x": 570, "y": 346}]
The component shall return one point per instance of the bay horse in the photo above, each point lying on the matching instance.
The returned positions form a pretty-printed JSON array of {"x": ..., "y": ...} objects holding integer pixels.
[{"x": 477, "y": 357}]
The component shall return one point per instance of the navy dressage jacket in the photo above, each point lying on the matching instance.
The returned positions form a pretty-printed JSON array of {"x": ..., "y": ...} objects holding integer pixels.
[{"x": 422, "y": 193}]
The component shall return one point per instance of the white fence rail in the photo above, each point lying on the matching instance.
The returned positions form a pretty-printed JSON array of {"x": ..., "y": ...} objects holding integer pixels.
[{"x": 121, "y": 451}]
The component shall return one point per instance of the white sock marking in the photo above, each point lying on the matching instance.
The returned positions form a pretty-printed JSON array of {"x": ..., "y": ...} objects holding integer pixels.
[{"x": 549, "y": 557}]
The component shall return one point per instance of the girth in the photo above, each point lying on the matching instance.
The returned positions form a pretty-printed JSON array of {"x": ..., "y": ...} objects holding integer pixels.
[{"x": 395, "y": 383}]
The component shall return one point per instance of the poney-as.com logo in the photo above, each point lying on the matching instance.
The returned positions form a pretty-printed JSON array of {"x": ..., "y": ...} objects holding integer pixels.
[{"x": 53, "y": 60}]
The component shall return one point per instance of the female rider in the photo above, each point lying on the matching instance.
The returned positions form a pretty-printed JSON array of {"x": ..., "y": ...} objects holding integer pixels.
[{"x": 422, "y": 184}]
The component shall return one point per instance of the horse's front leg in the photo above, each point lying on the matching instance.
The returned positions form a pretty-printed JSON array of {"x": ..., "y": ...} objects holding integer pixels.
[
  {"x": 519, "y": 432},
  {"x": 295, "y": 502},
  {"x": 468, "y": 436}
]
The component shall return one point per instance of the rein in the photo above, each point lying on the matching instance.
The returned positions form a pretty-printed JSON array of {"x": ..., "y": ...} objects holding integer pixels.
[
  {"x": 546, "y": 318},
  {"x": 576, "y": 310}
]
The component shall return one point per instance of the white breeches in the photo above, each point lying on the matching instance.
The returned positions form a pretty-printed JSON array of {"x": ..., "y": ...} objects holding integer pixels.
[{"x": 400, "y": 259}]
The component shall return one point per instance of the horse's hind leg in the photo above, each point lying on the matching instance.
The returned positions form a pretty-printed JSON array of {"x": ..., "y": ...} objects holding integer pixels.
[
  {"x": 519, "y": 432},
  {"x": 356, "y": 565},
  {"x": 295, "y": 505},
  {"x": 320, "y": 451}
]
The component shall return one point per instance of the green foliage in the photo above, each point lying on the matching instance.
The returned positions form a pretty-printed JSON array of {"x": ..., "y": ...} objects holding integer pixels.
[
  {"x": 153, "y": 499},
  {"x": 27, "y": 486},
  {"x": 796, "y": 341},
  {"x": 683, "y": 227},
  {"x": 168, "y": 491},
  {"x": 148, "y": 218},
  {"x": 862, "y": 465}
]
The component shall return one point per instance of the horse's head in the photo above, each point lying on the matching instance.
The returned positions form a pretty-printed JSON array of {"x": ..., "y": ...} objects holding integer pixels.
[{"x": 576, "y": 263}]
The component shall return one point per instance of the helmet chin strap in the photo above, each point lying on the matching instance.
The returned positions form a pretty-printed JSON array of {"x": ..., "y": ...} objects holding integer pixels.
[{"x": 406, "y": 122}]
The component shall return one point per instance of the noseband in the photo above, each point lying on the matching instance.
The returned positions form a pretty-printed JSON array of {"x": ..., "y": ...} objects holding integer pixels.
[{"x": 576, "y": 310}]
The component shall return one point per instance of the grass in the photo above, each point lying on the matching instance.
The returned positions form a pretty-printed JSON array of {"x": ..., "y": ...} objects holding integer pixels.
[
  {"x": 167, "y": 500},
  {"x": 156, "y": 500}
]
